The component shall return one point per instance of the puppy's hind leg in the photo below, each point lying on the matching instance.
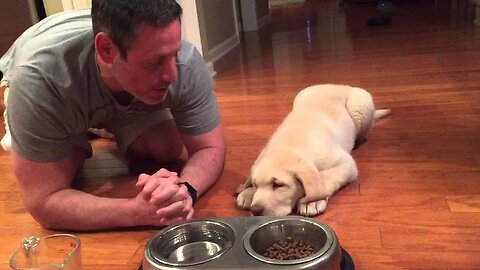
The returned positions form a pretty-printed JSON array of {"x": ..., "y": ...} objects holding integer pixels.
[
  {"x": 361, "y": 108},
  {"x": 341, "y": 174},
  {"x": 333, "y": 178}
]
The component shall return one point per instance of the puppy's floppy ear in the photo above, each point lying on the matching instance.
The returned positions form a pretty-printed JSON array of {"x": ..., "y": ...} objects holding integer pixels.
[
  {"x": 247, "y": 184},
  {"x": 312, "y": 184}
]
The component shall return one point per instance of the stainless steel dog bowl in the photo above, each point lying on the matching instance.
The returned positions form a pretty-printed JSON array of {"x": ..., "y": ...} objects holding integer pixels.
[
  {"x": 312, "y": 233},
  {"x": 190, "y": 243},
  {"x": 239, "y": 243}
]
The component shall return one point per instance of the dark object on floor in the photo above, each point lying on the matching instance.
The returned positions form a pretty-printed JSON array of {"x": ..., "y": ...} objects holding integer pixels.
[
  {"x": 384, "y": 16},
  {"x": 347, "y": 262},
  {"x": 379, "y": 20}
]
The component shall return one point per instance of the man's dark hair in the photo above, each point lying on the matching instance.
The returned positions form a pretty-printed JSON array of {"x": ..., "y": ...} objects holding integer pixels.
[{"x": 120, "y": 19}]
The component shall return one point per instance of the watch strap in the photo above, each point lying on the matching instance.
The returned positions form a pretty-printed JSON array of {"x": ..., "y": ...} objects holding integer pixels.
[{"x": 191, "y": 190}]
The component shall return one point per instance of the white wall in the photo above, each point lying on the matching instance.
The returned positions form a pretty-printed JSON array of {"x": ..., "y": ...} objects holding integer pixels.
[
  {"x": 76, "y": 4},
  {"x": 52, "y": 6},
  {"x": 190, "y": 26}
]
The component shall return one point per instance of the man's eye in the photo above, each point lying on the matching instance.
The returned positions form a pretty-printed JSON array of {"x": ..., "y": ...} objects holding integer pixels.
[{"x": 157, "y": 64}]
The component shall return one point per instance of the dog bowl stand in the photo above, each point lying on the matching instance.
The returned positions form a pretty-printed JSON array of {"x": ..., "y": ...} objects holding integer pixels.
[{"x": 238, "y": 258}]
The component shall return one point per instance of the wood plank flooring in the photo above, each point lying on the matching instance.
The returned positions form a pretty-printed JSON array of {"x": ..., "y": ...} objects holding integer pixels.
[{"x": 416, "y": 203}]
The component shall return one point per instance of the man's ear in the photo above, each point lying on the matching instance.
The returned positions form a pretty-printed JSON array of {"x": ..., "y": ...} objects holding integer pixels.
[
  {"x": 312, "y": 184},
  {"x": 107, "y": 51}
]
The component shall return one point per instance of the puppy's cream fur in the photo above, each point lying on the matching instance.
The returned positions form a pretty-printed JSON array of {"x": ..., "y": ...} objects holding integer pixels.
[{"x": 308, "y": 159}]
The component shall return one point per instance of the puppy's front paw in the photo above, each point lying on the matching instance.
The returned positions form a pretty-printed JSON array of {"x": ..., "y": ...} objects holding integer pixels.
[
  {"x": 311, "y": 209},
  {"x": 244, "y": 199}
]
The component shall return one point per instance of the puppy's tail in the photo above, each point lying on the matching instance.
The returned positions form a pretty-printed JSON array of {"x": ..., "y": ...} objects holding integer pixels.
[{"x": 379, "y": 114}]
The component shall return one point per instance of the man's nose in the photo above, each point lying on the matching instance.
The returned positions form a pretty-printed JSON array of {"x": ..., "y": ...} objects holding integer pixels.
[{"x": 169, "y": 71}]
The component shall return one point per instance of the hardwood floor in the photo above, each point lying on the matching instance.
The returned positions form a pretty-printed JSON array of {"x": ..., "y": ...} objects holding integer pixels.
[{"x": 416, "y": 203}]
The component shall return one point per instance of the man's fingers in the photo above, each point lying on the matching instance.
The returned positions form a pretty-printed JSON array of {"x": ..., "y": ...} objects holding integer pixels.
[
  {"x": 190, "y": 215},
  {"x": 148, "y": 188},
  {"x": 167, "y": 221},
  {"x": 173, "y": 179},
  {"x": 174, "y": 210},
  {"x": 142, "y": 179},
  {"x": 162, "y": 197},
  {"x": 157, "y": 188},
  {"x": 164, "y": 173},
  {"x": 151, "y": 186},
  {"x": 162, "y": 200}
]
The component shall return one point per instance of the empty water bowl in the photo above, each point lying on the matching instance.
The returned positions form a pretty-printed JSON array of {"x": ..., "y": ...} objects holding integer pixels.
[
  {"x": 294, "y": 240},
  {"x": 189, "y": 244}
]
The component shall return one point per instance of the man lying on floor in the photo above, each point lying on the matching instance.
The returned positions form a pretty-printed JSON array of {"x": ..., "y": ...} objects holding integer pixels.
[{"x": 123, "y": 67}]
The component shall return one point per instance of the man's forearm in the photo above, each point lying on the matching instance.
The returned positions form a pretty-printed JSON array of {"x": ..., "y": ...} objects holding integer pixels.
[
  {"x": 77, "y": 210},
  {"x": 51, "y": 201},
  {"x": 203, "y": 168}
]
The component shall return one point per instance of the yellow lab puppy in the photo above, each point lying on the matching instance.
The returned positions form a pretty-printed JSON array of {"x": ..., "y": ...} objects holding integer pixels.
[{"x": 308, "y": 158}]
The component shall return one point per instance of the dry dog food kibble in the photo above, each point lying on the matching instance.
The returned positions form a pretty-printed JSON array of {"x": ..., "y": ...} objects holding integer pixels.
[{"x": 288, "y": 250}]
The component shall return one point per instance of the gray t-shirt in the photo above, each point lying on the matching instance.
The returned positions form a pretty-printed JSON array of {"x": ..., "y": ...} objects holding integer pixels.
[{"x": 56, "y": 92}]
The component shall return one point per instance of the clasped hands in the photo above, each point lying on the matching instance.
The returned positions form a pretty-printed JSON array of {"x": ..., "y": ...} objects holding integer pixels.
[{"x": 164, "y": 199}]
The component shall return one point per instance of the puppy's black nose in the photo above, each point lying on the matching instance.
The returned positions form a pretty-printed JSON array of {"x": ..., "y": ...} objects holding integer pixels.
[{"x": 256, "y": 210}]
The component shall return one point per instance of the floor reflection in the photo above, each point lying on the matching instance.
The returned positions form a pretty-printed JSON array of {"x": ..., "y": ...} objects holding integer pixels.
[{"x": 321, "y": 41}]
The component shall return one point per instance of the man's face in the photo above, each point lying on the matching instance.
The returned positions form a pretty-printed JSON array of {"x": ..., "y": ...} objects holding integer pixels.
[{"x": 150, "y": 66}]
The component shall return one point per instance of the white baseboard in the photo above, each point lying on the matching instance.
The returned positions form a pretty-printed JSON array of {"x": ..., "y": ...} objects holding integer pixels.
[
  {"x": 477, "y": 15},
  {"x": 223, "y": 48},
  {"x": 264, "y": 20},
  {"x": 284, "y": 2}
]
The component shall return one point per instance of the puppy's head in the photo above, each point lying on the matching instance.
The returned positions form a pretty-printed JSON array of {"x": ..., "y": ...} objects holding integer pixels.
[
  {"x": 279, "y": 186},
  {"x": 276, "y": 193}
]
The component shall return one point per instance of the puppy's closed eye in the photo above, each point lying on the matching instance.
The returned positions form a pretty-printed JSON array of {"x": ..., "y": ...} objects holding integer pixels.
[{"x": 277, "y": 184}]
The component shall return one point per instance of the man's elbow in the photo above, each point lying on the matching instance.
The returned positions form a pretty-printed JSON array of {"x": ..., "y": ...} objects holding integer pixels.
[{"x": 42, "y": 215}]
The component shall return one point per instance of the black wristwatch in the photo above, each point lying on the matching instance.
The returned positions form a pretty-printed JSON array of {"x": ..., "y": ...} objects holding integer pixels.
[{"x": 192, "y": 191}]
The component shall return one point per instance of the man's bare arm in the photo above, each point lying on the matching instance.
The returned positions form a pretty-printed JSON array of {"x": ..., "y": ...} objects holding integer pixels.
[
  {"x": 48, "y": 196},
  {"x": 206, "y": 159}
]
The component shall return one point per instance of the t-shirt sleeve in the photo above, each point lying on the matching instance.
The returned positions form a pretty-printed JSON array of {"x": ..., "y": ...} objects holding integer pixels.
[
  {"x": 37, "y": 118},
  {"x": 196, "y": 112}
]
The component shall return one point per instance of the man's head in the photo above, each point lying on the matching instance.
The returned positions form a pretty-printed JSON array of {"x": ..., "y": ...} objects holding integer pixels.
[
  {"x": 137, "y": 42},
  {"x": 119, "y": 19}
]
